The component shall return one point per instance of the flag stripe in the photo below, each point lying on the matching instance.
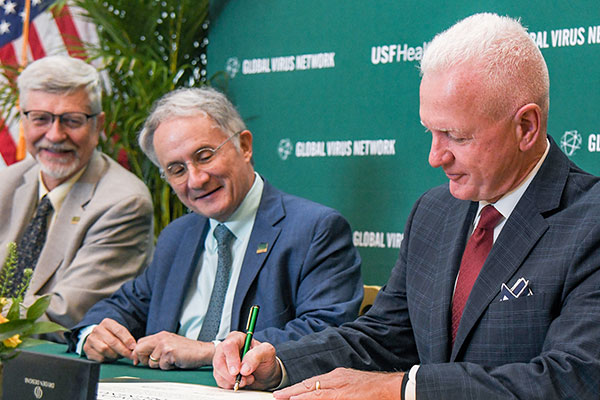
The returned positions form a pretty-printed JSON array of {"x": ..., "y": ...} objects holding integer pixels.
[
  {"x": 35, "y": 44},
  {"x": 68, "y": 31},
  {"x": 48, "y": 34},
  {"x": 8, "y": 55},
  {"x": 7, "y": 146}
]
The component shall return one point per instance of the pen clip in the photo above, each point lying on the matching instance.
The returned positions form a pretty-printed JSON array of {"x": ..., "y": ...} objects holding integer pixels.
[{"x": 253, "y": 309}]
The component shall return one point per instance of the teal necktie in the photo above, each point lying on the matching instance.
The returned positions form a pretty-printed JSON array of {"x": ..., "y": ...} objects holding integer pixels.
[{"x": 212, "y": 320}]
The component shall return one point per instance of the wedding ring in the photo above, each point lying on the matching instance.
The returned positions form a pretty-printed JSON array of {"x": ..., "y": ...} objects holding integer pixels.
[
  {"x": 152, "y": 358},
  {"x": 317, "y": 385}
]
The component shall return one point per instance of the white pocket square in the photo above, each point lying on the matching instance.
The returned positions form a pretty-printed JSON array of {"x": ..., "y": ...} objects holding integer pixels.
[{"x": 521, "y": 287}]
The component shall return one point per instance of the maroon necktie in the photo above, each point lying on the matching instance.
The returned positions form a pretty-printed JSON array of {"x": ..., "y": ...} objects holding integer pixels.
[{"x": 476, "y": 251}]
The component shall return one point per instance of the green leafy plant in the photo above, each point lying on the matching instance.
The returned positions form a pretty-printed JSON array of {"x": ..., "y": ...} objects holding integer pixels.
[
  {"x": 146, "y": 48},
  {"x": 18, "y": 322}
]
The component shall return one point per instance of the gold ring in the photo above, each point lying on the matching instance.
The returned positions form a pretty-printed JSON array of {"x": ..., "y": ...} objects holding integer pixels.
[
  {"x": 317, "y": 385},
  {"x": 152, "y": 358}
]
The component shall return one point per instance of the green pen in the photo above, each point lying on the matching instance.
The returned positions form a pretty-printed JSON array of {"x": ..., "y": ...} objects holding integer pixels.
[{"x": 249, "y": 332}]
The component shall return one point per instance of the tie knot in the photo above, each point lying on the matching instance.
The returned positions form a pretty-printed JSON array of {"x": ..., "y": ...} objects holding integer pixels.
[
  {"x": 223, "y": 235},
  {"x": 489, "y": 217},
  {"x": 45, "y": 206}
]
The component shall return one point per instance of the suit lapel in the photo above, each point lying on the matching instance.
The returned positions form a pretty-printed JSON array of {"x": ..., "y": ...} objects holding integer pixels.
[
  {"x": 453, "y": 240},
  {"x": 63, "y": 227},
  {"x": 521, "y": 232},
  {"x": 185, "y": 263},
  {"x": 24, "y": 201},
  {"x": 20, "y": 206},
  {"x": 264, "y": 233}
]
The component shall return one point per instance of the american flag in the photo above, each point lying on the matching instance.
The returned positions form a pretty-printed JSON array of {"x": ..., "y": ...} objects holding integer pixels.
[{"x": 51, "y": 31}]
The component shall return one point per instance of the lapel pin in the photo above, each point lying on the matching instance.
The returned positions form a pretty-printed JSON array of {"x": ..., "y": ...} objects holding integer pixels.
[
  {"x": 75, "y": 220},
  {"x": 262, "y": 248}
]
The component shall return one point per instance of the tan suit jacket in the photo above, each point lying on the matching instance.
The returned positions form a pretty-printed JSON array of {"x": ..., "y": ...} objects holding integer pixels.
[{"x": 101, "y": 237}]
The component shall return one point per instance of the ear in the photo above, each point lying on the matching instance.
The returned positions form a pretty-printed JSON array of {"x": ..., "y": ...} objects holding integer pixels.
[
  {"x": 246, "y": 144},
  {"x": 100, "y": 118},
  {"x": 528, "y": 121}
]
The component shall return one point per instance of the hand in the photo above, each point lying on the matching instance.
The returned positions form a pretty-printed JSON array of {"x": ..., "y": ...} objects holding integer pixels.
[
  {"x": 347, "y": 384},
  {"x": 109, "y": 341},
  {"x": 166, "y": 350},
  {"x": 260, "y": 369}
]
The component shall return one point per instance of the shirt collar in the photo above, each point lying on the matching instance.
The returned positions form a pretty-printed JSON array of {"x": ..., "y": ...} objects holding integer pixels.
[
  {"x": 58, "y": 194},
  {"x": 508, "y": 202},
  {"x": 241, "y": 221}
]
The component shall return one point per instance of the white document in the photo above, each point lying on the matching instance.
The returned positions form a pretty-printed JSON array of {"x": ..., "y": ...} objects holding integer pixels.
[{"x": 172, "y": 391}]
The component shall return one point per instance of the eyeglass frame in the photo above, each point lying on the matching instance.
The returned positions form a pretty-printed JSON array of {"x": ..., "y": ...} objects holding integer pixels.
[
  {"x": 195, "y": 162},
  {"x": 60, "y": 118}
]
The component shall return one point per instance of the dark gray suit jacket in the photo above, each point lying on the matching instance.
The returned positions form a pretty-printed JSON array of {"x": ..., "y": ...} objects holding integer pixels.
[{"x": 544, "y": 346}]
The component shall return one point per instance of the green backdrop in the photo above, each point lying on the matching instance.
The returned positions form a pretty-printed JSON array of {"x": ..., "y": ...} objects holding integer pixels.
[{"x": 329, "y": 89}]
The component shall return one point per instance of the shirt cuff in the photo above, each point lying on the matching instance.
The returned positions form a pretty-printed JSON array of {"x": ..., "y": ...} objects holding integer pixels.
[
  {"x": 410, "y": 392},
  {"x": 83, "y": 334},
  {"x": 285, "y": 380}
]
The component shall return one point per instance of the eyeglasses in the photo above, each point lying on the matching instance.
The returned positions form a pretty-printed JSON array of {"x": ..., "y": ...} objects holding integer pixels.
[
  {"x": 177, "y": 172},
  {"x": 45, "y": 119}
]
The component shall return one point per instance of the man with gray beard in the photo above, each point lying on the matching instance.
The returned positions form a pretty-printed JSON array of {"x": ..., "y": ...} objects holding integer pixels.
[{"x": 81, "y": 221}]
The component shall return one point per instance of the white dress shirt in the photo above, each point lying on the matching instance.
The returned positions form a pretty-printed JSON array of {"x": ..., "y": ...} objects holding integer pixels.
[{"x": 197, "y": 299}]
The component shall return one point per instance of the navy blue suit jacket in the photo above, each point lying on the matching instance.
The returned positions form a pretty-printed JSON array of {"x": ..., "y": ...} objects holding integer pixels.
[
  {"x": 543, "y": 346},
  {"x": 308, "y": 279}
]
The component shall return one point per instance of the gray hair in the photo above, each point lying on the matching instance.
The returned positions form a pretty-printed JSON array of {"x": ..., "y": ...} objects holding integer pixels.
[
  {"x": 61, "y": 74},
  {"x": 502, "y": 51},
  {"x": 188, "y": 102}
]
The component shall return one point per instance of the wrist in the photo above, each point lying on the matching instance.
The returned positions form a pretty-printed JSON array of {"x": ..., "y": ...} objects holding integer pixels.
[
  {"x": 209, "y": 351},
  {"x": 280, "y": 378},
  {"x": 403, "y": 386}
]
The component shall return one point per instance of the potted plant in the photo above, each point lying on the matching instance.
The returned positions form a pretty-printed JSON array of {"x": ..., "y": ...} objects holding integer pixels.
[{"x": 19, "y": 323}]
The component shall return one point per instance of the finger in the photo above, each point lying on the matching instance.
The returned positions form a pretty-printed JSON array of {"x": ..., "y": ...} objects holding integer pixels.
[
  {"x": 103, "y": 345},
  {"x": 306, "y": 386},
  {"x": 165, "y": 363},
  {"x": 120, "y": 332},
  {"x": 231, "y": 349},
  {"x": 154, "y": 361},
  {"x": 226, "y": 353},
  {"x": 143, "y": 349},
  {"x": 98, "y": 350},
  {"x": 260, "y": 353}
]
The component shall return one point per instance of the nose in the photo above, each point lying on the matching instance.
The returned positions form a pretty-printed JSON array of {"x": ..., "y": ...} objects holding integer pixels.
[
  {"x": 197, "y": 176},
  {"x": 439, "y": 154},
  {"x": 56, "y": 132}
]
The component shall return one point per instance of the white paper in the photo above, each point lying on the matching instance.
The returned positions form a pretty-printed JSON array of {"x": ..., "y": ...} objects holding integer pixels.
[{"x": 172, "y": 391}]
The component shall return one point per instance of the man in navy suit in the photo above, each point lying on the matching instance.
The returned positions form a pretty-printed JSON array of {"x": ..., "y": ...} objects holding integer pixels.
[
  {"x": 292, "y": 257},
  {"x": 530, "y": 326}
]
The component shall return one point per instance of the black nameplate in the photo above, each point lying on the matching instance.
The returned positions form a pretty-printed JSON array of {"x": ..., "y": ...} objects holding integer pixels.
[{"x": 50, "y": 377}]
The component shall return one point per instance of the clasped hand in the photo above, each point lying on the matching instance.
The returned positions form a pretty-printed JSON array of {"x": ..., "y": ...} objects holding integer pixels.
[{"x": 165, "y": 350}]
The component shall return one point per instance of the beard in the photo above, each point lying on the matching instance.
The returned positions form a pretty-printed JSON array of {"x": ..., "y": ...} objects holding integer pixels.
[{"x": 59, "y": 167}]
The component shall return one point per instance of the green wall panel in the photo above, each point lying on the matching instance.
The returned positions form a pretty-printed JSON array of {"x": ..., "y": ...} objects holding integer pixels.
[{"x": 314, "y": 76}]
